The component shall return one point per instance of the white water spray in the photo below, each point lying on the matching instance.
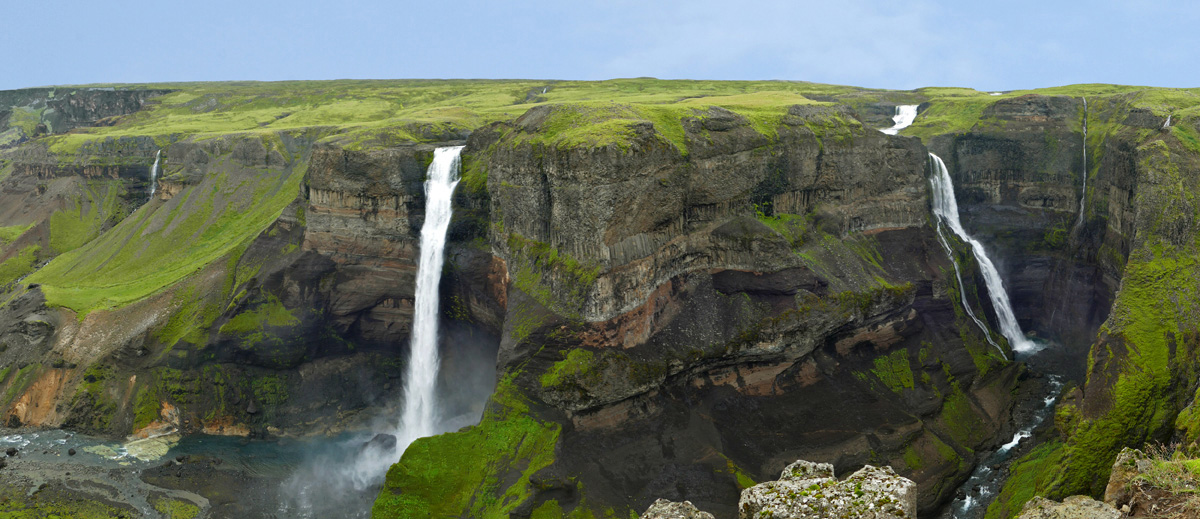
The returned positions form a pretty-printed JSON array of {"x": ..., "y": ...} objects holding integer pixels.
[
  {"x": 1167, "y": 124},
  {"x": 946, "y": 209},
  {"x": 1083, "y": 197},
  {"x": 905, "y": 114},
  {"x": 420, "y": 399},
  {"x": 154, "y": 174}
]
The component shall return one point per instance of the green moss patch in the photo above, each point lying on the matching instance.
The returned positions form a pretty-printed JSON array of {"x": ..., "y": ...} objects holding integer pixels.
[
  {"x": 482, "y": 471},
  {"x": 894, "y": 370}
]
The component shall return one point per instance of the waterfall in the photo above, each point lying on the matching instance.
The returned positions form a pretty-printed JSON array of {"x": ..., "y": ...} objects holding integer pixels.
[
  {"x": 1167, "y": 124},
  {"x": 946, "y": 209},
  {"x": 1083, "y": 197},
  {"x": 420, "y": 401},
  {"x": 905, "y": 114},
  {"x": 154, "y": 174}
]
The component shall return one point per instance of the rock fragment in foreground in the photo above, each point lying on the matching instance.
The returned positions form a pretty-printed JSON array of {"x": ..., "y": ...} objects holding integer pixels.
[
  {"x": 1074, "y": 507},
  {"x": 809, "y": 490},
  {"x": 663, "y": 509}
]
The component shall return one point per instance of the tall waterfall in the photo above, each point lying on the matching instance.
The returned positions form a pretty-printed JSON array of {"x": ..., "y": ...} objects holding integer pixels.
[
  {"x": 905, "y": 114},
  {"x": 420, "y": 400},
  {"x": 946, "y": 209},
  {"x": 154, "y": 174},
  {"x": 1083, "y": 197}
]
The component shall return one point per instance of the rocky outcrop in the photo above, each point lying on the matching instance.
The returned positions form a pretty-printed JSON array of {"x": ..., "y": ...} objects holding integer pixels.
[
  {"x": 58, "y": 110},
  {"x": 808, "y": 490}
]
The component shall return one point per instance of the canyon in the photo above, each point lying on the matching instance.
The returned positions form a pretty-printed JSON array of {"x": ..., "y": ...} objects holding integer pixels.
[{"x": 651, "y": 290}]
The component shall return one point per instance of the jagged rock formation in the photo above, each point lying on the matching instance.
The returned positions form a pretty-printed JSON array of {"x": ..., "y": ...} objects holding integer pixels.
[{"x": 807, "y": 490}]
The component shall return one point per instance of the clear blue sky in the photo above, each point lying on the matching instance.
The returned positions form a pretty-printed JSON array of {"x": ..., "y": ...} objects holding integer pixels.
[{"x": 877, "y": 43}]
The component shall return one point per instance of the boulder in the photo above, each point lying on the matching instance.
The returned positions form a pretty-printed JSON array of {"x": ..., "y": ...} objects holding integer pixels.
[
  {"x": 1074, "y": 507},
  {"x": 809, "y": 490},
  {"x": 663, "y": 509},
  {"x": 1120, "y": 481}
]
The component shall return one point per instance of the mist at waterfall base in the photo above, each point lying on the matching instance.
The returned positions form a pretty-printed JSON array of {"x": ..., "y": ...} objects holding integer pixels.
[{"x": 342, "y": 478}]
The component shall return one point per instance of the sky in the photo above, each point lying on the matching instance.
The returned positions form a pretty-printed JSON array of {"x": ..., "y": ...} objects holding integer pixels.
[{"x": 872, "y": 43}]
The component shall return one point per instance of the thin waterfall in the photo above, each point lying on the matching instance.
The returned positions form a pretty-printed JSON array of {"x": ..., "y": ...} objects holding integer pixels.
[
  {"x": 154, "y": 174},
  {"x": 420, "y": 400},
  {"x": 1167, "y": 124},
  {"x": 962, "y": 292},
  {"x": 905, "y": 114},
  {"x": 945, "y": 207},
  {"x": 1083, "y": 197}
]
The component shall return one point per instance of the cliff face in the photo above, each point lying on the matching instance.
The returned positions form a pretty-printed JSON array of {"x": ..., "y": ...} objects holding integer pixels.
[
  {"x": 689, "y": 316},
  {"x": 680, "y": 296}
]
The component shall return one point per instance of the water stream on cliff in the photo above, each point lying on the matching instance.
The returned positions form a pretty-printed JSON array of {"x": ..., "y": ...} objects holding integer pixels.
[
  {"x": 946, "y": 209},
  {"x": 905, "y": 114},
  {"x": 1083, "y": 197},
  {"x": 154, "y": 174}
]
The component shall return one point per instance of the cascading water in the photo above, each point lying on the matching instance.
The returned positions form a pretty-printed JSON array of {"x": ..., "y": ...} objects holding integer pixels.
[
  {"x": 905, "y": 114},
  {"x": 1083, "y": 197},
  {"x": 946, "y": 209},
  {"x": 154, "y": 174},
  {"x": 1167, "y": 124},
  {"x": 420, "y": 399},
  {"x": 328, "y": 485}
]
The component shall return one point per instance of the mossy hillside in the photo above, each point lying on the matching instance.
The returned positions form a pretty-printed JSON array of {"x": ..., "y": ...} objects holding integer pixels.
[
  {"x": 11, "y": 233},
  {"x": 19, "y": 264},
  {"x": 98, "y": 207},
  {"x": 483, "y": 471},
  {"x": 1145, "y": 361},
  {"x": 1031, "y": 475},
  {"x": 160, "y": 244}
]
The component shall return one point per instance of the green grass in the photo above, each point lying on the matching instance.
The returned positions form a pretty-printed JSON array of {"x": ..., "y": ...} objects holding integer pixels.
[
  {"x": 157, "y": 246},
  {"x": 360, "y": 114},
  {"x": 482, "y": 471},
  {"x": 176, "y": 509},
  {"x": 72, "y": 228},
  {"x": 19, "y": 264},
  {"x": 11, "y": 233}
]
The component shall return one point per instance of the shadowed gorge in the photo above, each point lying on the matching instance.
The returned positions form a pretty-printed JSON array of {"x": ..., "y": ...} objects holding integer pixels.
[{"x": 650, "y": 290}]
